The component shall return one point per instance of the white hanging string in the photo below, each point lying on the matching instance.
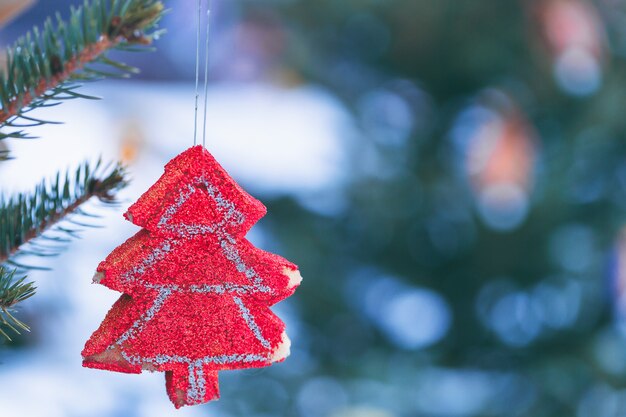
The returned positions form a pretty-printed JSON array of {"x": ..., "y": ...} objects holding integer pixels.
[
  {"x": 206, "y": 73},
  {"x": 197, "y": 95},
  {"x": 206, "y": 70}
]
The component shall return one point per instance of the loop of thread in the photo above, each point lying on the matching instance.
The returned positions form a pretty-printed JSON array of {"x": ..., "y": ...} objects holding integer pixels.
[
  {"x": 197, "y": 94},
  {"x": 206, "y": 73},
  {"x": 206, "y": 70}
]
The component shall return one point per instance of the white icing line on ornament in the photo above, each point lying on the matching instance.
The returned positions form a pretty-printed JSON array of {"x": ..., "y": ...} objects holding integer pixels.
[
  {"x": 185, "y": 230},
  {"x": 216, "y": 359},
  {"x": 171, "y": 211},
  {"x": 227, "y": 242},
  {"x": 138, "y": 325},
  {"x": 249, "y": 318},
  {"x": 156, "y": 255},
  {"x": 222, "y": 202},
  {"x": 201, "y": 383},
  {"x": 208, "y": 289},
  {"x": 232, "y": 254},
  {"x": 196, "y": 391},
  {"x": 228, "y": 287},
  {"x": 197, "y": 388},
  {"x": 196, "y": 379}
]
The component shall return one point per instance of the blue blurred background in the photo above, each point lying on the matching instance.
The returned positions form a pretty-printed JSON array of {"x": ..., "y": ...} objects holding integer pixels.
[{"x": 449, "y": 175}]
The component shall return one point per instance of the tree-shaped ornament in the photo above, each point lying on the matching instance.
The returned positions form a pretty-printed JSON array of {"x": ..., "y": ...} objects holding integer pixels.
[{"x": 196, "y": 294}]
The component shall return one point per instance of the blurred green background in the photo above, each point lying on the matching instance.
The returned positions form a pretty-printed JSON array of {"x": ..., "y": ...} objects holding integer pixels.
[{"x": 470, "y": 261}]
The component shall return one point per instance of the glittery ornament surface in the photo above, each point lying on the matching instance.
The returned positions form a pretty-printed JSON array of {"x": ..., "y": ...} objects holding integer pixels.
[{"x": 196, "y": 292}]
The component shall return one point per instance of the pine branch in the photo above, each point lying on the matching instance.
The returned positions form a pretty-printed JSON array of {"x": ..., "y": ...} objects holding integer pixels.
[
  {"x": 26, "y": 217},
  {"x": 45, "y": 67},
  {"x": 12, "y": 291},
  {"x": 30, "y": 225}
]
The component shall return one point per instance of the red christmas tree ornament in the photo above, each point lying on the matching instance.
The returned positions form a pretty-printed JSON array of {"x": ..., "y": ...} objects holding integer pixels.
[{"x": 196, "y": 292}]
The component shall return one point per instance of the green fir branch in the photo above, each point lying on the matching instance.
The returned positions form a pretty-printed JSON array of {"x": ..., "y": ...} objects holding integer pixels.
[
  {"x": 42, "y": 222},
  {"x": 45, "y": 66},
  {"x": 12, "y": 292},
  {"x": 25, "y": 217}
]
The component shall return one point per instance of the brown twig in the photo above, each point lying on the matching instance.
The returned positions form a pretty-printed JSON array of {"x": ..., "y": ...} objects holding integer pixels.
[
  {"x": 46, "y": 225},
  {"x": 89, "y": 54}
]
